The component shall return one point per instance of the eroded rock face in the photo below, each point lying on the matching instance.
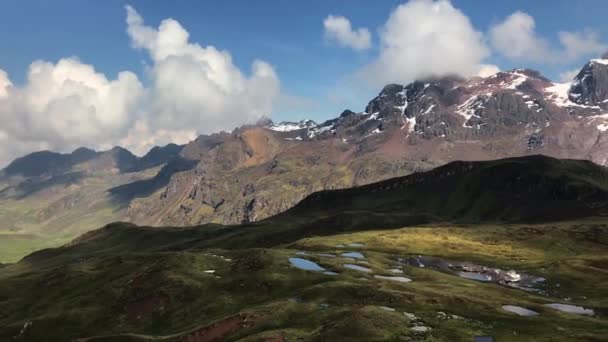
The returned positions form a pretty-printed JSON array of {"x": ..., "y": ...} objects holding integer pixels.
[
  {"x": 258, "y": 171},
  {"x": 590, "y": 86}
]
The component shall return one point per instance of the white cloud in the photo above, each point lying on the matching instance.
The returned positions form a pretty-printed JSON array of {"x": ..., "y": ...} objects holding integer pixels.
[
  {"x": 486, "y": 70},
  {"x": 140, "y": 137},
  {"x": 5, "y": 83},
  {"x": 67, "y": 104},
  {"x": 199, "y": 87},
  {"x": 193, "y": 89},
  {"x": 338, "y": 28},
  {"x": 578, "y": 44},
  {"x": 425, "y": 38},
  {"x": 517, "y": 39}
]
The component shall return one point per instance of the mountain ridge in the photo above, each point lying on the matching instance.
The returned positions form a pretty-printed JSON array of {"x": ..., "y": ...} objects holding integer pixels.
[
  {"x": 528, "y": 189},
  {"x": 259, "y": 170}
]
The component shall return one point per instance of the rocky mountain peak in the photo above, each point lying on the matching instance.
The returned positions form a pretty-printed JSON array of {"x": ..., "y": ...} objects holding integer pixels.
[
  {"x": 528, "y": 72},
  {"x": 590, "y": 86},
  {"x": 346, "y": 113},
  {"x": 264, "y": 121}
]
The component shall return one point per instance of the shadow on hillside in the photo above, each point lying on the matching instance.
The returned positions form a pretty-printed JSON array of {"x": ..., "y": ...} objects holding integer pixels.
[
  {"x": 143, "y": 188},
  {"x": 33, "y": 185}
]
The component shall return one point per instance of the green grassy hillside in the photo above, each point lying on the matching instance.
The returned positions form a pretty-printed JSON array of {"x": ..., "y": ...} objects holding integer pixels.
[
  {"x": 136, "y": 283},
  {"x": 236, "y": 283},
  {"x": 52, "y": 211}
]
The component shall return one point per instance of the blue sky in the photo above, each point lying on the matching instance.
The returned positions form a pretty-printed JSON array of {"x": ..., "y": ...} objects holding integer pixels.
[
  {"x": 316, "y": 73},
  {"x": 287, "y": 34}
]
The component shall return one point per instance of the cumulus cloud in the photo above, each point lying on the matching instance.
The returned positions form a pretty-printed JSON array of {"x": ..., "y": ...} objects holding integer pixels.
[
  {"x": 193, "y": 89},
  {"x": 199, "y": 87},
  {"x": 424, "y": 38},
  {"x": 517, "y": 39},
  {"x": 140, "y": 137},
  {"x": 5, "y": 83},
  {"x": 339, "y": 29},
  {"x": 486, "y": 70},
  {"x": 67, "y": 104},
  {"x": 578, "y": 44}
]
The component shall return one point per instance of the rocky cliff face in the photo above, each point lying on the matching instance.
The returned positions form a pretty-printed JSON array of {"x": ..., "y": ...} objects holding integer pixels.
[
  {"x": 590, "y": 87},
  {"x": 258, "y": 171}
]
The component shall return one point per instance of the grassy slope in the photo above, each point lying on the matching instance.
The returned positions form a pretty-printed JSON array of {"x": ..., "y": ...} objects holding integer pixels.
[
  {"x": 125, "y": 279},
  {"x": 150, "y": 292},
  {"x": 58, "y": 214}
]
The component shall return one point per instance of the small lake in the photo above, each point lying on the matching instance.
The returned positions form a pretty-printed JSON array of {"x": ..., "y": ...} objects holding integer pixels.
[
  {"x": 475, "y": 276},
  {"x": 476, "y": 272},
  {"x": 420, "y": 328},
  {"x": 519, "y": 310},
  {"x": 355, "y": 255},
  {"x": 388, "y": 308},
  {"x": 306, "y": 265},
  {"x": 573, "y": 309},
  {"x": 357, "y": 268},
  {"x": 394, "y": 278}
]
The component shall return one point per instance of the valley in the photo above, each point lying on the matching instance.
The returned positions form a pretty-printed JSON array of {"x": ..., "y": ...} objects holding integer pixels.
[
  {"x": 167, "y": 293},
  {"x": 365, "y": 263}
]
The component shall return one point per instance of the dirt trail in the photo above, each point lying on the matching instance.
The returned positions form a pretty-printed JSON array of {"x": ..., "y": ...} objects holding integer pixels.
[
  {"x": 216, "y": 331},
  {"x": 220, "y": 329}
]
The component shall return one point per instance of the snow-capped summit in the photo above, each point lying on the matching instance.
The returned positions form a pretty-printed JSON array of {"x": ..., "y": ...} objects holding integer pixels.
[
  {"x": 519, "y": 105},
  {"x": 287, "y": 126}
]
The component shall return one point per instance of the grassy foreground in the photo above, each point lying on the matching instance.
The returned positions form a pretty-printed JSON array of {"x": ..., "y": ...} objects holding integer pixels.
[{"x": 147, "y": 289}]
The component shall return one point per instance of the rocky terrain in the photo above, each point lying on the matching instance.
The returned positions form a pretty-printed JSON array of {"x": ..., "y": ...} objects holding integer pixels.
[{"x": 259, "y": 170}]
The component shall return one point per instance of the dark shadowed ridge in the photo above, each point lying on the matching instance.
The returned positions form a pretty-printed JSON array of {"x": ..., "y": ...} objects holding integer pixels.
[
  {"x": 45, "y": 163},
  {"x": 159, "y": 155},
  {"x": 514, "y": 189},
  {"x": 526, "y": 189},
  {"x": 127, "y": 192}
]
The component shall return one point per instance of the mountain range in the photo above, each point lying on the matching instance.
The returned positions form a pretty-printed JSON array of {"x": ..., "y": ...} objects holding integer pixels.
[{"x": 260, "y": 170}]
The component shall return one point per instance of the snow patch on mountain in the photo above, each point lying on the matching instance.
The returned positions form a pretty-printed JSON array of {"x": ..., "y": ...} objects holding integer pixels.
[
  {"x": 412, "y": 124},
  {"x": 559, "y": 94},
  {"x": 429, "y": 109},
  {"x": 292, "y": 126},
  {"x": 517, "y": 80},
  {"x": 373, "y": 116},
  {"x": 603, "y": 126},
  {"x": 600, "y": 61},
  {"x": 468, "y": 108},
  {"x": 376, "y": 131},
  {"x": 316, "y": 130}
]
